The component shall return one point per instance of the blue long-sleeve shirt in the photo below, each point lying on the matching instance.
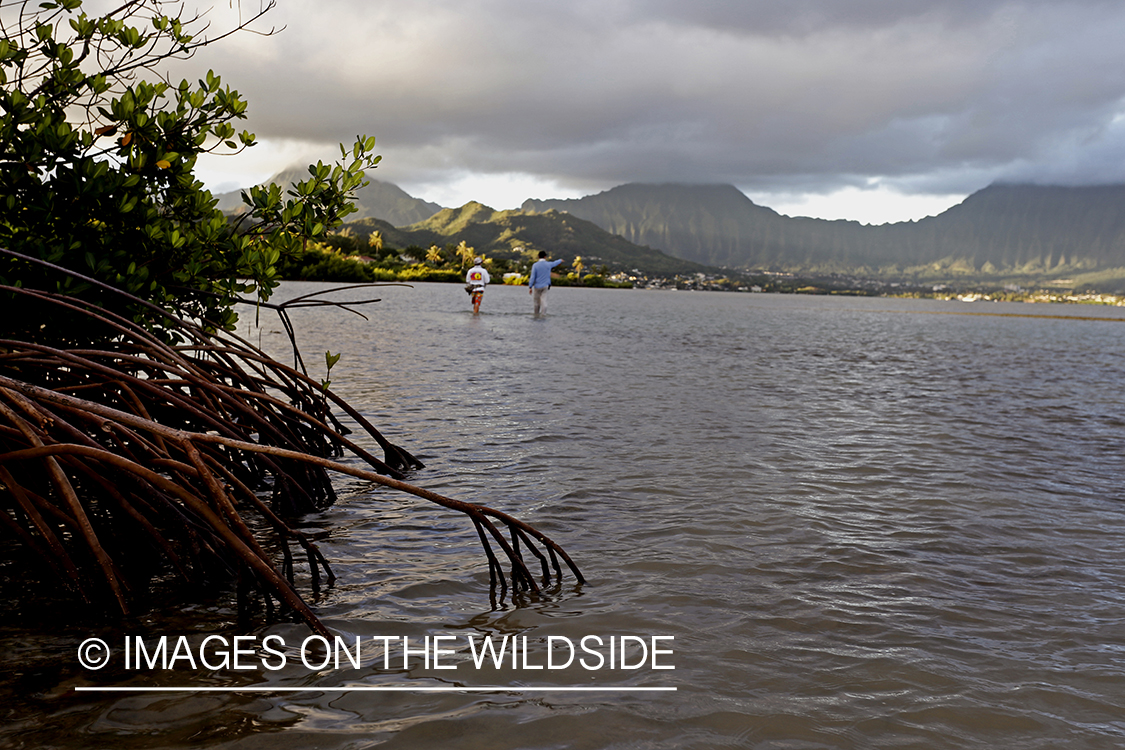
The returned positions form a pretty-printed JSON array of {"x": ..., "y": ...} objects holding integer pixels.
[{"x": 541, "y": 273}]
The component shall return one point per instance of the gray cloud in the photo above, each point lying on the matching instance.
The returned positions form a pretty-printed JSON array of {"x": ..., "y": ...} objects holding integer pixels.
[{"x": 805, "y": 95}]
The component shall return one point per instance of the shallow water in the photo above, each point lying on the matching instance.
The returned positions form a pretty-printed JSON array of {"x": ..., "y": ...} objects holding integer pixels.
[{"x": 866, "y": 523}]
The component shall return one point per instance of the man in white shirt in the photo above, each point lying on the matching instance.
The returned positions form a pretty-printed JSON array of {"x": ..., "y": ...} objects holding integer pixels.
[{"x": 475, "y": 281}]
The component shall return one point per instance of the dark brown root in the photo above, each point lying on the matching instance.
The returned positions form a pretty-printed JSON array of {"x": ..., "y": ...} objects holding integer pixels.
[{"x": 137, "y": 443}]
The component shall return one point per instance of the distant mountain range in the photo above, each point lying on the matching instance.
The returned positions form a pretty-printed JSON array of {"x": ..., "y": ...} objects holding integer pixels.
[
  {"x": 1004, "y": 228},
  {"x": 1011, "y": 231}
]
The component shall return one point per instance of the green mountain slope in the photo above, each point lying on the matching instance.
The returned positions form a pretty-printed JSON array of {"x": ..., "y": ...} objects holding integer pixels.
[
  {"x": 713, "y": 224},
  {"x": 1031, "y": 226},
  {"x": 511, "y": 234},
  {"x": 718, "y": 225}
]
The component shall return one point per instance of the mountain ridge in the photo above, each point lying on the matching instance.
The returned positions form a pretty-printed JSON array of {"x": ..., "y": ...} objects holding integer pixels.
[
  {"x": 1005, "y": 226},
  {"x": 1014, "y": 230}
]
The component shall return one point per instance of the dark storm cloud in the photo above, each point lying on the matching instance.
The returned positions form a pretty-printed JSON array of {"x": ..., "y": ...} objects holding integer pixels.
[
  {"x": 801, "y": 95},
  {"x": 808, "y": 16}
]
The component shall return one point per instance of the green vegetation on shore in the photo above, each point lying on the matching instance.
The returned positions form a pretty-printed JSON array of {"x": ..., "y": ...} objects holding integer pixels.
[{"x": 344, "y": 257}]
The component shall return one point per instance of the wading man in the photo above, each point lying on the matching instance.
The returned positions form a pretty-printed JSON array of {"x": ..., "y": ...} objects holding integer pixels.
[
  {"x": 475, "y": 281},
  {"x": 540, "y": 282}
]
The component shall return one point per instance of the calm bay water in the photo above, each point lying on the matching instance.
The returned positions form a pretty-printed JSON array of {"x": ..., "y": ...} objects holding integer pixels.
[{"x": 867, "y": 523}]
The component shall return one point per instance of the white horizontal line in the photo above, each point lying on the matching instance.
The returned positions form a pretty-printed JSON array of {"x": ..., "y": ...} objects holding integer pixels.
[{"x": 373, "y": 689}]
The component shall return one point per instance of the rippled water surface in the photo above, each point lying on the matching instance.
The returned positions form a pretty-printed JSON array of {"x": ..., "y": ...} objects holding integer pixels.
[{"x": 867, "y": 523}]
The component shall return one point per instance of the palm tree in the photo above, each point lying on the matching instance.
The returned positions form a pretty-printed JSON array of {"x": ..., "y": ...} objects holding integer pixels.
[
  {"x": 465, "y": 253},
  {"x": 433, "y": 255},
  {"x": 578, "y": 266},
  {"x": 376, "y": 241}
]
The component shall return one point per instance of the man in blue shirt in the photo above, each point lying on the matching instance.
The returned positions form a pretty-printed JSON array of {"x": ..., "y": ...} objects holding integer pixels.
[{"x": 540, "y": 281}]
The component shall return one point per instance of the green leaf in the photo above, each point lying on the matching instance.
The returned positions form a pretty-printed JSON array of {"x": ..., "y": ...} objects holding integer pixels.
[{"x": 152, "y": 211}]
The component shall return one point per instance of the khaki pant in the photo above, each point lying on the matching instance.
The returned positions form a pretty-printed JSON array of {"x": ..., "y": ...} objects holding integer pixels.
[{"x": 539, "y": 299}]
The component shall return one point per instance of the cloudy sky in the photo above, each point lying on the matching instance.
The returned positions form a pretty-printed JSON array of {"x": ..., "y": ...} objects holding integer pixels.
[{"x": 875, "y": 110}]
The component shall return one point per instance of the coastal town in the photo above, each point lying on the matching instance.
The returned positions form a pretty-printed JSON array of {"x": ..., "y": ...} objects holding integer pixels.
[{"x": 788, "y": 283}]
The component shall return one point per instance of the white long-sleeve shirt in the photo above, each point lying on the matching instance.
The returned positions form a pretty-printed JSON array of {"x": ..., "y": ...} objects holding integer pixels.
[{"x": 478, "y": 276}]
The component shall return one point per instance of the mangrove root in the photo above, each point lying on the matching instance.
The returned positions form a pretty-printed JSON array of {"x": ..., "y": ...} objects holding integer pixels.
[{"x": 169, "y": 444}]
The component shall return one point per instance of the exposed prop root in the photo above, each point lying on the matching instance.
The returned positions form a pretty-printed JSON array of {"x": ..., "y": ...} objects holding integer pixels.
[{"x": 137, "y": 456}]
